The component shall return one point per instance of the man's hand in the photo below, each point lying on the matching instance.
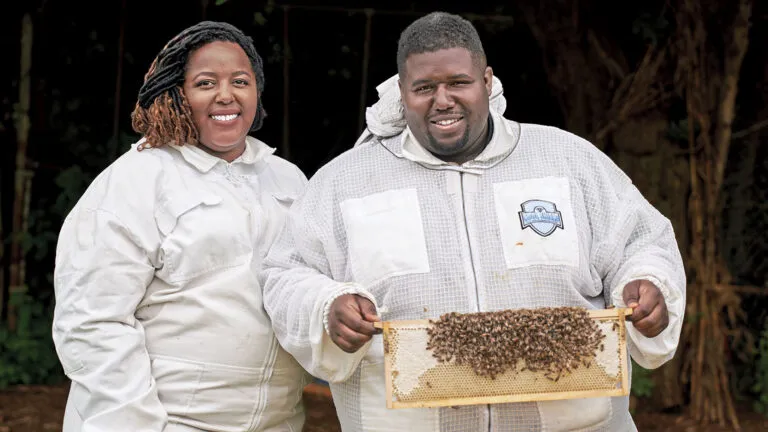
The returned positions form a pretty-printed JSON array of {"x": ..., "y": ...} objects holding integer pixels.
[
  {"x": 350, "y": 322},
  {"x": 650, "y": 315}
]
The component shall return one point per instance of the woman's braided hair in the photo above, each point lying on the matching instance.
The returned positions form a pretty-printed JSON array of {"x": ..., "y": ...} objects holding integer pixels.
[{"x": 162, "y": 113}]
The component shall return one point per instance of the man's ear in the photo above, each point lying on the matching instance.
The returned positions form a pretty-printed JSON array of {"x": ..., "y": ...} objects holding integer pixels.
[{"x": 488, "y": 78}]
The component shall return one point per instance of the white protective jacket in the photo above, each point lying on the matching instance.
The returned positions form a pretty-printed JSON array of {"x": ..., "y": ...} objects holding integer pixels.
[
  {"x": 159, "y": 320},
  {"x": 420, "y": 238}
]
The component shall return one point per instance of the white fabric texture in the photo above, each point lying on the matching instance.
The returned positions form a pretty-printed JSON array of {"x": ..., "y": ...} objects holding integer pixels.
[
  {"x": 159, "y": 319},
  {"x": 494, "y": 230}
]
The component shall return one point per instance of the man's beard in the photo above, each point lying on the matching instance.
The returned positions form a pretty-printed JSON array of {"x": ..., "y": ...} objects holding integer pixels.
[{"x": 460, "y": 144}]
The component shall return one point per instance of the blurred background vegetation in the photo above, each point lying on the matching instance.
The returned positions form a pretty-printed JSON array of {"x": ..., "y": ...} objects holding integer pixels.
[{"x": 674, "y": 91}]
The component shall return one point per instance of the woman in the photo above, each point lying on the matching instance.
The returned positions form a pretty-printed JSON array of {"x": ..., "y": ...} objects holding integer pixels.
[{"x": 159, "y": 320}]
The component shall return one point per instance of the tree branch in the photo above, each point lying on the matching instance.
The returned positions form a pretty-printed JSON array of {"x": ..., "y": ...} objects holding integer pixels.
[
  {"x": 727, "y": 106},
  {"x": 750, "y": 130},
  {"x": 609, "y": 62}
]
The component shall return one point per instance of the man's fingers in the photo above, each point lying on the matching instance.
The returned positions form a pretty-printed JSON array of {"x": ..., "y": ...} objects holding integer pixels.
[
  {"x": 631, "y": 294},
  {"x": 348, "y": 339},
  {"x": 649, "y": 321},
  {"x": 649, "y": 314},
  {"x": 367, "y": 308},
  {"x": 368, "y": 311},
  {"x": 351, "y": 322},
  {"x": 641, "y": 310},
  {"x": 643, "y": 297},
  {"x": 371, "y": 317},
  {"x": 343, "y": 337},
  {"x": 346, "y": 325},
  {"x": 654, "y": 323},
  {"x": 356, "y": 323}
]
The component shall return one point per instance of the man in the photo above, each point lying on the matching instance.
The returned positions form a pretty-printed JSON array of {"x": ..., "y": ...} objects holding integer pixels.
[{"x": 461, "y": 210}]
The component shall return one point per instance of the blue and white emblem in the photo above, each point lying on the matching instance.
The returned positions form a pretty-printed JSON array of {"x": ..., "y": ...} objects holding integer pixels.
[{"x": 543, "y": 217}]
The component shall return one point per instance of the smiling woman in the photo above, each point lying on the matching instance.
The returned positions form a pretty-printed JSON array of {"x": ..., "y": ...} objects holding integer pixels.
[
  {"x": 159, "y": 319},
  {"x": 222, "y": 94},
  {"x": 223, "y": 76}
]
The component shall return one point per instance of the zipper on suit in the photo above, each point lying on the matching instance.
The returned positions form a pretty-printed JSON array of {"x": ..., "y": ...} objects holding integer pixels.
[
  {"x": 266, "y": 377},
  {"x": 469, "y": 243},
  {"x": 472, "y": 266}
]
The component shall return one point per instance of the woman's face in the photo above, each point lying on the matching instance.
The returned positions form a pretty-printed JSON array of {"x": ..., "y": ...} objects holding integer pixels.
[{"x": 220, "y": 87}]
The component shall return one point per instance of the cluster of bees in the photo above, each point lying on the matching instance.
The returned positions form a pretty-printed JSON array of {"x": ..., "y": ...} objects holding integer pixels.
[{"x": 553, "y": 341}]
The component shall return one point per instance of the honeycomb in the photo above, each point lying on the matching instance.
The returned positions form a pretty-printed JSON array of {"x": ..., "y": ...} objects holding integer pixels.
[{"x": 415, "y": 377}]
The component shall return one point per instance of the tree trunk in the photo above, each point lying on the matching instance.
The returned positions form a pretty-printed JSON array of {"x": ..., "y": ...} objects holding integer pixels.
[
  {"x": 285, "y": 145},
  {"x": 710, "y": 86},
  {"x": 23, "y": 177},
  {"x": 115, "y": 141}
]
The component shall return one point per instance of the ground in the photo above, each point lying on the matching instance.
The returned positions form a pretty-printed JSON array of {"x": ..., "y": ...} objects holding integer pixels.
[{"x": 40, "y": 409}]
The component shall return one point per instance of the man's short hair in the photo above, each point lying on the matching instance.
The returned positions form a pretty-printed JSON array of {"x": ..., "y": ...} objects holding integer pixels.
[{"x": 437, "y": 31}]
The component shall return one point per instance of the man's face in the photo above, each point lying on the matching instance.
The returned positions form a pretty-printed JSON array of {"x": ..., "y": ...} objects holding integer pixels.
[
  {"x": 221, "y": 89},
  {"x": 445, "y": 95}
]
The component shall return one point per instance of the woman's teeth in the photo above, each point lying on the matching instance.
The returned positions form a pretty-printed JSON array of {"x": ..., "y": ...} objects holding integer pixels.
[{"x": 225, "y": 117}]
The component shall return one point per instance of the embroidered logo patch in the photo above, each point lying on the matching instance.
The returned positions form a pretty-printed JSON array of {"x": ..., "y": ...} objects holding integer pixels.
[{"x": 542, "y": 217}]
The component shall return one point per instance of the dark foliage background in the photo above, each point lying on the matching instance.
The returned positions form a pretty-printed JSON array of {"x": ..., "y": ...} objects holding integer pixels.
[{"x": 84, "y": 79}]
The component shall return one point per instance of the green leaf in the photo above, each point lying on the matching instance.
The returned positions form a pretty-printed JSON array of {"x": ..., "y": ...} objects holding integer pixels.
[
  {"x": 259, "y": 19},
  {"x": 642, "y": 381}
]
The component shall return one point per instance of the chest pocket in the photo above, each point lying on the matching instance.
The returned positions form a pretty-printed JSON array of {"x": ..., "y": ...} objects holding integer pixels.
[
  {"x": 385, "y": 235},
  {"x": 282, "y": 203},
  {"x": 536, "y": 222},
  {"x": 201, "y": 235},
  {"x": 275, "y": 211}
]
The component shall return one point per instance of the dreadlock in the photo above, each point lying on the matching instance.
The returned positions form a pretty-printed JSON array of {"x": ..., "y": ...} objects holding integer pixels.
[
  {"x": 437, "y": 31},
  {"x": 162, "y": 112}
]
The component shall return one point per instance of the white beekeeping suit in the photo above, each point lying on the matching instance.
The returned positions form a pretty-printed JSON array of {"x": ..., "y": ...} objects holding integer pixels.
[
  {"x": 159, "y": 320},
  {"x": 420, "y": 237}
]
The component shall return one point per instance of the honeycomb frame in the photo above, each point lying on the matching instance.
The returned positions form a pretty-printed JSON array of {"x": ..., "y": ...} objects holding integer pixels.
[{"x": 428, "y": 383}]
